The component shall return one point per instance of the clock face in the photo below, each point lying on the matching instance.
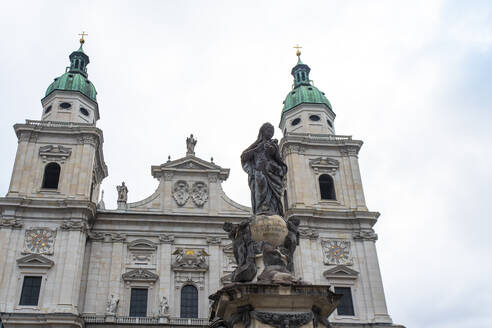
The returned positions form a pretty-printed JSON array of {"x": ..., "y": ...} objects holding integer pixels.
[
  {"x": 337, "y": 252},
  {"x": 39, "y": 240}
]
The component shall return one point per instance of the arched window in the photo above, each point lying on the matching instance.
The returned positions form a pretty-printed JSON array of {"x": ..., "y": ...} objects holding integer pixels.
[
  {"x": 51, "y": 176},
  {"x": 327, "y": 187},
  {"x": 189, "y": 302}
]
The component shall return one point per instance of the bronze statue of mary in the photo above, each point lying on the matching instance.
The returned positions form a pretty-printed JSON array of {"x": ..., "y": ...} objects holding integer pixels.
[{"x": 266, "y": 172}]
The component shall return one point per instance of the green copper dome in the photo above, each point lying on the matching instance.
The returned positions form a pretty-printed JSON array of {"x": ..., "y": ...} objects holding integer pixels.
[
  {"x": 303, "y": 91},
  {"x": 75, "y": 79}
]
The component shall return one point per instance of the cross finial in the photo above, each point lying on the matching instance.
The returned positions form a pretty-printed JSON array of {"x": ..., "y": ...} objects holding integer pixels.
[
  {"x": 298, "y": 52},
  {"x": 82, "y": 37}
]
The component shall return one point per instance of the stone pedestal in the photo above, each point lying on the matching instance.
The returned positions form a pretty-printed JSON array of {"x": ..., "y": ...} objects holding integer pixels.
[
  {"x": 164, "y": 319},
  {"x": 254, "y": 305},
  {"x": 110, "y": 318}
]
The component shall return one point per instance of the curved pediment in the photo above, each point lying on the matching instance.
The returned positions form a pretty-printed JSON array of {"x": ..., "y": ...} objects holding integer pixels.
[
  {"x": 141, "y": 275},
  {"x": 142, "y": 245}
]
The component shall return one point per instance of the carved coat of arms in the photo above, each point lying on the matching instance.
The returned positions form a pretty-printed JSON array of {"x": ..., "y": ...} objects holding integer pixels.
[
  {"x": 181, "y": 192},
  {"x": 199, "y": 193}
]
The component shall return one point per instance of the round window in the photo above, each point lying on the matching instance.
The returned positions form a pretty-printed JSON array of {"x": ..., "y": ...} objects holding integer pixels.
[
  {"x": 314, "y": 118},
  {"x": 65, "y": 105},
  {"x": 84, "y": 111},
  {"x": 329, "y": 123},
  {"x": 47, "y": 110},
  {"x": 296, "y": 121}
]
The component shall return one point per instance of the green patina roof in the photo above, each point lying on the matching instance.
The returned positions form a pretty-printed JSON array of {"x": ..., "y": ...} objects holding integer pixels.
[
  {"x": 73, "y": 82},
  {"x": 303, "y": 91},
  {"x": 76, "y": 77},
  {"x": 305, "y": 94}
]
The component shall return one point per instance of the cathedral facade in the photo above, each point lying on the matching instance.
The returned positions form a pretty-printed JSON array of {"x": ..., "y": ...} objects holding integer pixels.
[{"x": 67, "y": 261}]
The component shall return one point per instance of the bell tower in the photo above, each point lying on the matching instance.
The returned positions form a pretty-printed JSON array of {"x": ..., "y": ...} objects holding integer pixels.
[
  {"x": 324, "y": 192},
  {"x": 61, "y": 155}
]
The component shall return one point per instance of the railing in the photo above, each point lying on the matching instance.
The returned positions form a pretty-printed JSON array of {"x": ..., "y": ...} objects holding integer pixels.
[
  {"x": 319, "y": 136},
  {"x": 189, "y": 321},
  {"x": 57, "y": 123},
  {"x": 142, "y": 320},
  {"x": 95, "y": 318}
]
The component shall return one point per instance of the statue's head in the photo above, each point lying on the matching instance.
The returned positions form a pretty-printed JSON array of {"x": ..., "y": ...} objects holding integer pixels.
[{"x": 266, "y": 131}]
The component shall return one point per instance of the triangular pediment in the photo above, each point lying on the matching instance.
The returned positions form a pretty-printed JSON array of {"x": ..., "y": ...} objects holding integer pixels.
[
  {"x": 341, "y": 271},
  {"x": 140, "y": 275},
  {"x": 35, "y": 261},
  {"x": 191, "y": 163}
]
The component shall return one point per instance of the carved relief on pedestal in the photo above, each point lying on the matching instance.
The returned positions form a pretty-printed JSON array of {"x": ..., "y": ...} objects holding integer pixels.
[
  {"x": 181, "y": 192},
  {"x": 228, "y": 264},
  {"x": 39, "y": 241},
  {"x": 199, "y": 193},
  {"x": 336, "y": 252}
]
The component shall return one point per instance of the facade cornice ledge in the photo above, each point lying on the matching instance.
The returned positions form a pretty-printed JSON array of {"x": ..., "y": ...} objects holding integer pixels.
[
  {"x": 333, "y": 214},
  {"x": 319, "y": 139},
  {"x": 9, "y": 206},
  {"x": 45, "y": 319}
]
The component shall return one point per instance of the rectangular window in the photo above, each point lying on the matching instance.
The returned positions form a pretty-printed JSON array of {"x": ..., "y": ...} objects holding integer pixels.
[
  {"x": 138, "y": 302},
  {"x": 346, "y": 306},
  {"x": 30, "y": 291}
]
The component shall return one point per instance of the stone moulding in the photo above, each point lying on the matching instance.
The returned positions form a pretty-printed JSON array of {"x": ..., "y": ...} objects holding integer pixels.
[
  {"x": 57, "y": 153},
  {"x": 35, "y": 261},
  {"x": 11, "y": 223},
  {"x": 341, "y": 272},
  {"x": 139, "y": 275}
]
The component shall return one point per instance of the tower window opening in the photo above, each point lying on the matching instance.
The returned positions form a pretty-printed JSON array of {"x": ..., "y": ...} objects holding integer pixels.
[
  {"x": 314, "y": 118},
  {"x": 138, "y": 302},
  {"x": 299, "y": 77},
  {"x": 51, "y": 176},
  {"x": 303, "y": 76},
  {"x": 295, "y": 121},
  {"x": 329, "y": 123},
  {"x": 346, "y": 305},
  {"x": 189, "y": 302},
  {"x": 84, "y": 111},
  {"x": 65, "y": 105},
  {"x": 48, "y": 109},
  {"x": 327, "y": 187},
  {"x": 30, "y": 291}
]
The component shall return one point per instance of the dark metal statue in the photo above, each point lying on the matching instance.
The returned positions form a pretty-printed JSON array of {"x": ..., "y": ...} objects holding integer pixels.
[
  {"x": 266, "y": 172},
  {"x": 244, "y": 250},
  {"x": 291, "y": 242}
]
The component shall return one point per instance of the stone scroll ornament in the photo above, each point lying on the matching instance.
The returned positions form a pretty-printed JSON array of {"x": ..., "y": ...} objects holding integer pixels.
[
  {"x": 199, "y": 193},
  {"x": 181, "y": 192}
]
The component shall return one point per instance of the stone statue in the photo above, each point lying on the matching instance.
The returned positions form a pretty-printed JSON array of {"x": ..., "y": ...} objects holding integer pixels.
[
  {"x": 163, "y": 306},
  {"x": 112, "y": 305},
  {"x": 244, "y": 251},
  {"x": 122, "y": 192},
  {"x": 291, "y": 242},
  {"x": 190, "y": 145},
  {"x": 266, "y": 172}
]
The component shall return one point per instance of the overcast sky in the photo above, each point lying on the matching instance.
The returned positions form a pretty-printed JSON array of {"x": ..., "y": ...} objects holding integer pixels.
[{"x": 411, "y": 79}]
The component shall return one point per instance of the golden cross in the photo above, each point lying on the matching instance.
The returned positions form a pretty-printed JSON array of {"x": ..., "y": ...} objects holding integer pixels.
[
  {"x": 298, "y": 52},
  {"x": 82, "y": 36}
]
